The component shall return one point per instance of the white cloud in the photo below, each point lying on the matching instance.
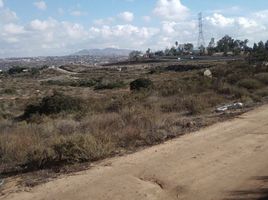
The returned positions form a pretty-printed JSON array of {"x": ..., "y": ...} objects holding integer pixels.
[
  {"x": 78, "y": 13},
  {"x": 146, "y": 19},
  {"x": 220, "y": 20},
  {"x": 261, "y": 14},
  {"x": 126, "y": 16},
  {"x": 13, "y": 29},
  {"x": 171, "y": 10},
  {"x": 74, "y": 31},
  {"x": 107, "y": 21},
  {"x": 1, "y": 3},
  {"x": 247, "y": 23},
  {"x": 41, "y": 5},
  {"x": 42, "y": 25},
  {"x": 168, "y": 27},
  {"x": 7, "y": 15},
  {"x": 251, "y": 27},
  {"x": 54, "y": 37}
]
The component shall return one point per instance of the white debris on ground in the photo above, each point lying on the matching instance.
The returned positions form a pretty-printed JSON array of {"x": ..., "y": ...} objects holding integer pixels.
[
  {"x": 233, "y": 106},
  {"x": 1, "y": 182},
  {"x": 208, "y": 73}
]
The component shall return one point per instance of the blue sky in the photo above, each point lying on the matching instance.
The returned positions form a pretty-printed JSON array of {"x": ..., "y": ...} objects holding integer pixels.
[{"x": 59, "y": 27}]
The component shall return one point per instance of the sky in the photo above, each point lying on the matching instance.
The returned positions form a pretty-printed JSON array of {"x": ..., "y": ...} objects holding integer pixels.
[{"x": 62, "y": 27}]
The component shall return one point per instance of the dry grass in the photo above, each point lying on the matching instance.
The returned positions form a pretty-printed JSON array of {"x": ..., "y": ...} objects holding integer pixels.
[{"x": 113, "y": 120}]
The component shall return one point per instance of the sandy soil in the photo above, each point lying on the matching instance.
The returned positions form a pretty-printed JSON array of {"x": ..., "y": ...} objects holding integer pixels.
[{"x": 228, "y": 160}]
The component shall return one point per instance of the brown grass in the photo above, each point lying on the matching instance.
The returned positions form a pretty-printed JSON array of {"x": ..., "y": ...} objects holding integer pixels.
[{"x": 115, "y": 120}]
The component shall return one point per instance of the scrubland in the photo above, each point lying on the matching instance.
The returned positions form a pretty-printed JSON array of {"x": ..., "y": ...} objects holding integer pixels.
[{"x": 49, "y": 119}]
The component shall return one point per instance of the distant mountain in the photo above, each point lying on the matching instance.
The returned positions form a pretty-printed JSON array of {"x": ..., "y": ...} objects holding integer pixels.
[{"x": 103, "y": 52}]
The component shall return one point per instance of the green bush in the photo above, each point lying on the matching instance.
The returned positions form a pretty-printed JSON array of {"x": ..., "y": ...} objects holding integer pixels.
[
  {"x": 85, "y": 83},
  {"x": 73, "y": 83},
  {"x": 15, "y": 70},
  {"x": 141, "y": 83},
  {"x": 54, "y": 104},
  {"x": 250, "y": 83},
  {"x": 109, "y": 86},
  {"x": 35, "y": 71}
]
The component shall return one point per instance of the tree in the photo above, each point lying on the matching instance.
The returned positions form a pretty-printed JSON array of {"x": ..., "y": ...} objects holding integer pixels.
[
  {"x": 255, "y": 47},
  {"x": 134, "y": 55},
  {"x": 188, "y": 47},
  {"x": 266, "y": 45},
  {"x": 259, "y": 52},
  {"x": 159, "y": 53},
  {"x": 211, "y": 43},
  {"x": 226, "y": 44},
  {"x": 176, "y": 44},
  {"x": 173, "y": 51},
  {"x": 261, "y": 46},
  {"x": 167, "y": 52},
  {"x": 211, "y": 47}
]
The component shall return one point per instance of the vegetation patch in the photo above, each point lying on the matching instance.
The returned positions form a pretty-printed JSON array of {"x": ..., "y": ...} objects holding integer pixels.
[
  {"x": 141, "y": 83},
  {"x": 53, "y": 105},
  {"x": 16, "y": 70},
  {"x": 109, "y": 86},
  {"x": 250, "y": 83},
  {"x": 263, "y": 77},
  {"x": 73, "y": 83}
]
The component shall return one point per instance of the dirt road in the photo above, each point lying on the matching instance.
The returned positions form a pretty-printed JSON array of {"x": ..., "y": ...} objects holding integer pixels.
[{"x": 228, "y": 160}]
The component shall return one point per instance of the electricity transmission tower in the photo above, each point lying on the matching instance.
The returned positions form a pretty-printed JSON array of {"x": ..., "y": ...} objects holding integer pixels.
[{"x": 201, "y": 39}]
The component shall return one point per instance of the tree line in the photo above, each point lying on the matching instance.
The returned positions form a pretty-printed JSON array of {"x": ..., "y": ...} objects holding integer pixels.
[{"x": 225, "y": 46}]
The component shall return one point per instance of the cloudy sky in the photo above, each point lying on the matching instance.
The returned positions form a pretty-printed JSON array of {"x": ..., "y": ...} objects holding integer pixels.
[{"x": 60, "y": 27}]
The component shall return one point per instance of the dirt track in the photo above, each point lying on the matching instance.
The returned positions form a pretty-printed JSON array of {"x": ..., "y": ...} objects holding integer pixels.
[{"x": 225, "y": 161}]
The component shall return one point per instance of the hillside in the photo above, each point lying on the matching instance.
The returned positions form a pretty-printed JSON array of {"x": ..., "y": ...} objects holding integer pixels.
[{"x": 103, "y": 52}]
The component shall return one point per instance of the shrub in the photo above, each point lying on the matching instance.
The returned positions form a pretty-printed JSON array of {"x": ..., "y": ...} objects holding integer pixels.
[
  {"x": 15, "y": 70},
  {"x": 250, "y": 83},
  {"x": 263, "y": 77},
  {"x": 73, "y": 83},
  {"x": 69, "y": 150},
  {"x": 262, "y": 93},
  {"x": 195, "y": 105},
  {"x": 81, "y": 148},
  {"x": 109, "y": 86},
  {"x": 86, "y": 83},
  {"x": 53, "y": 105},
  {"x": 9, "y": 91},
  {"x": 141, "y": 83},
  {"x": 31, "y": 147},
  {"x": 234, "y": 91},
  {"x": 35, "y": 71}
]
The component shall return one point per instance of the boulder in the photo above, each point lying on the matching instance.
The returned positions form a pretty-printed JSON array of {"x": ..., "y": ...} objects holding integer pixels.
[{"x": 208, "y": 73}]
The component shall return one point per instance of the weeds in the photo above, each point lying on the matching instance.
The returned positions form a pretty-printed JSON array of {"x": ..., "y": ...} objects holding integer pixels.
[{"x": 62, "y": 128}]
